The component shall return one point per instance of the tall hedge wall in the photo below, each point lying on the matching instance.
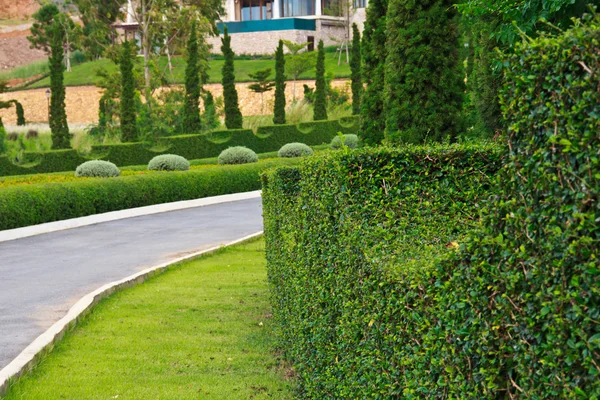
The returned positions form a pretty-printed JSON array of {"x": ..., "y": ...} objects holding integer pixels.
[
  {"x": 371, "y": 300},
  {"x": 351, "y": 244},
  {"x": 26, "y": 205},
  {"x": 267, "y": 139}
]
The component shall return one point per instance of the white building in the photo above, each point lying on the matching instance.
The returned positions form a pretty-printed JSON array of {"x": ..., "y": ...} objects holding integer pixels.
[{"x": 256, "y": 26}]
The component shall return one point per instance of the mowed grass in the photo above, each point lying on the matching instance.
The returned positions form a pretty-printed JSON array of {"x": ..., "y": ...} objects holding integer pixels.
[
  {"x": 199, "y": 331},
  {"x": 85, "y": 74}
]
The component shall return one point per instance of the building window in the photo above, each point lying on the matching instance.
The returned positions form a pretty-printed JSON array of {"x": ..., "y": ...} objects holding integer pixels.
[
  {"x": 297, "y": 8},
  {"x": 360, "y": 3},
  {"x": 252, "y": 10},
  {"x": 311, "y": 43}
]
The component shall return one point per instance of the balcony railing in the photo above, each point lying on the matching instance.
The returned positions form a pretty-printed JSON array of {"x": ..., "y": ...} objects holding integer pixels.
[{"x": 281, "y": 24}]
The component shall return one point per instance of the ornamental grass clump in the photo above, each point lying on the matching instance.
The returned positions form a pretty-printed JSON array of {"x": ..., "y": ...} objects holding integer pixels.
[
  {"x": 350, "y": 141},
  {"x": 292, "y": 150},
  {"x": 237, "y": 155},
  {"x": 97, "y": 169},
  {"x": 168, "y": 162}
]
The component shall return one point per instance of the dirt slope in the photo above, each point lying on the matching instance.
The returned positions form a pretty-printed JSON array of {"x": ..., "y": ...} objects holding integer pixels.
[{"x": 17, "y": 9}]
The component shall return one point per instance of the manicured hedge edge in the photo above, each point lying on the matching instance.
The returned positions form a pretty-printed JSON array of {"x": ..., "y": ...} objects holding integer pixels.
[
  {"x": 191, "y": 147},
  {"x": 35, "y": 204},
  {"x": 354, "y": 317}
]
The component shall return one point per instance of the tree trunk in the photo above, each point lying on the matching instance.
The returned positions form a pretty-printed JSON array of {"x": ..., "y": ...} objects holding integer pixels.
[{"x": 146, "y": 52}]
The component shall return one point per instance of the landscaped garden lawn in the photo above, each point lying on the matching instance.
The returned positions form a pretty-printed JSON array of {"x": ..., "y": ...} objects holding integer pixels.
[
  {"x": 85, "y": 74},
  {"x": 202, "y": 330}
]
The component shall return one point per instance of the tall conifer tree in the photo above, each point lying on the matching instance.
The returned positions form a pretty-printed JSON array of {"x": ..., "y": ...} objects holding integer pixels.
[
  {"x": 423, "y": 78},
  {"x": 373, "y": 54},
  {"x": 355, "y": 67},
  {"x": 61, "y": 138},
  {"x": 279, "y": 108},
  {"x": 233, "y": 116},
  {"x": 129, "y": 130},
  {"x": 191, "y": 108},
  {"x": 320, "y": 104}
]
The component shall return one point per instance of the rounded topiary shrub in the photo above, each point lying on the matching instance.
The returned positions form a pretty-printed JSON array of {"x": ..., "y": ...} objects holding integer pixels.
[
  {"x": 97, "y": 168},
  {"x": 237, "y": 155},
  {"x": 350, "y": 141},
  {"x": 169, "y": 162},
  {"x": 291, "y": 150}
]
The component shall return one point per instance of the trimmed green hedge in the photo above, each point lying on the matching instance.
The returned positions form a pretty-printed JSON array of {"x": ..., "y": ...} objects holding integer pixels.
[
  {"x": 191, "y": 147},
  {"x": 370, "y": 299},
  {"x": 352, "y": 241},
  {"x": 35, "y": 204}
]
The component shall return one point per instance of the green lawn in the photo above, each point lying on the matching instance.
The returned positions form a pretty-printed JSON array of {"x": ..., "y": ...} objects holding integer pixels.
[
  {"x": 85, "y": 74},
  {"x": 202, "y": 330}
]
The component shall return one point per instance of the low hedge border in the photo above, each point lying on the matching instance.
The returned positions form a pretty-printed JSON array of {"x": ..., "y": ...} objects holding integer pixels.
[
  {"x": 39, "y": 203},
  {"x": 191, "y": 147}
]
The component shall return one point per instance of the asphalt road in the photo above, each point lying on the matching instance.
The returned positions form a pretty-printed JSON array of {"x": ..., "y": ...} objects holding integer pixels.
[{"x": 42, "y": 276}]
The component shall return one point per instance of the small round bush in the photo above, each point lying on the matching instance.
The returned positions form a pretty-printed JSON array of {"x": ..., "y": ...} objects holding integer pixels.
[
  {"x": 292, "y": 150},
  {"x": 97, "y": 168},
  {"x": 237, "y": 155},
  {"x": 168, "y": 162},
  {"x": 350, "y": 141}
]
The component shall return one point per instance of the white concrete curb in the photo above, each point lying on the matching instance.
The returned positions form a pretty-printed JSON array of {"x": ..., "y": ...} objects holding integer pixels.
[
  {"x": 28, "y": 357},
  {"x": 27, "y": 231}
]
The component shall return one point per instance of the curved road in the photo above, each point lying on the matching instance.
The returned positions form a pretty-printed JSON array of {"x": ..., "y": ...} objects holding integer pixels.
[{"x": 42, "y": 276}]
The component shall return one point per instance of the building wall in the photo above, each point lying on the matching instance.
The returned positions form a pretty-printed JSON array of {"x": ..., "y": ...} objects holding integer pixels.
[{"x": 266, "y": 42}]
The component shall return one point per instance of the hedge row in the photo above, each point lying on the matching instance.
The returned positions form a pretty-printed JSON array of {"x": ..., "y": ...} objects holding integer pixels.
[
  {"x": 267, "y": 139},
  {"x": 35, "y": 204},
  {"x": 351, "y": 244},
  {"x": 372, "y": 301}
]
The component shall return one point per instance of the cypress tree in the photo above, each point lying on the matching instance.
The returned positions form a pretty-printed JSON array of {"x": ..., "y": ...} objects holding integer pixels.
[
  {"x": 191, "y": 108},
  {"x": 423, "y": 80},
  {"x": 102, "y": 120},
  {"x": 320, "y": 106},
  {"x": 210, "y": 115},
  {"x": 233, "y": 116},
  {"x": 355, "y": 68},
  {"x": 373, "y": 53},
  {"x": 20, "y": 113},
  {"x": 279, "y": 109},
  {"x": 61, "y": 138},
  {"x": 127, "y": 116}
]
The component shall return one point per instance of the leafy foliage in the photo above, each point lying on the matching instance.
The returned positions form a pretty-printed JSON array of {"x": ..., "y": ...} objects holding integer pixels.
[
  {"x": 355, "y": 66},
  {"x": 423, "y": 80},
  {"x": 61, "y": 138},
  {"x": 97, "y": 169},
  {"x": 352, "y": 239},
  {"x": 237, "y": 155},
  {"x": 320, "y": 103},
  {"x": 279, "y": 107},
  {"x": 390, "y": 267},
  {"x": 129, "y": 130},
  {"x": 233, "y": 115},
  {"x": 168, "y": 162},
  {"x": 20, "y": 113},
  {"x": 297, "y": 64},
  {"x": 373, "y": 52},
  {"x": 340, "y": 141}
]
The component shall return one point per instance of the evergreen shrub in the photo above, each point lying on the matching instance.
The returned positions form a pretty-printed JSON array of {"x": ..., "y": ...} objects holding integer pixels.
[
  {"x": 291, "y": 150},
  {"x": 237, "y": 155},
  {"x": 350, "y": 141},
  {"x": 461, "y": 272},
  {"x": 97, "y": 168},
  {"x": 168, "y": 162}
]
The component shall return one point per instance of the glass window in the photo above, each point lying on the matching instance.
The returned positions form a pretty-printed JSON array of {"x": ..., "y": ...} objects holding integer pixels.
[
  {"x": 252, "y": 10},
  {"x": 297, "y": 8},
  {"x": 360, "y": 3}
]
